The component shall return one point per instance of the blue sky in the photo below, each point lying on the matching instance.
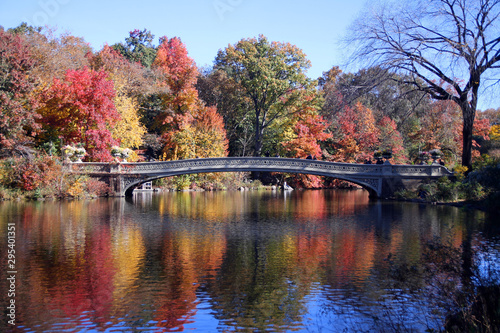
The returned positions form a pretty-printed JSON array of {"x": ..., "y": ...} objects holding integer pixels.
[{"x": 205, "y": 26}]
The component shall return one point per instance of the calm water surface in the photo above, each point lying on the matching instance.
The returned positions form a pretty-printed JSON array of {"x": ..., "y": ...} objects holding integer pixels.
[{"x": 309, "y": 261}]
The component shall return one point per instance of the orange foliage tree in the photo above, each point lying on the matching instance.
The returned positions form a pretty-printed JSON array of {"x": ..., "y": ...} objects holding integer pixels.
[
  {"x": 309, "y": 131},
  {"x": 189, "y": 128},
  {"x": 179, "y": 73}
]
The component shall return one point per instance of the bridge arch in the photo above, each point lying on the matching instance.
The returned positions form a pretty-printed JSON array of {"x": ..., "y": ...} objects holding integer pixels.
[{"x": 133, "y": 184}]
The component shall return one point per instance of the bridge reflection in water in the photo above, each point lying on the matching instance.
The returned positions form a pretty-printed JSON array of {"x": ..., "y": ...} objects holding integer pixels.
[{"x": 381, "y": 180}]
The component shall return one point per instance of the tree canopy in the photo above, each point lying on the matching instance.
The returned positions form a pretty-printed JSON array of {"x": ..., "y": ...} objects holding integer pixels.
[{"x": 257, "y": 98}]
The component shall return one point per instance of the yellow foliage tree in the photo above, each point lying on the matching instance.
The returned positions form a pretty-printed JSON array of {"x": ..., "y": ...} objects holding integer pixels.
[
  {"x": 202, "y": 137},
  {"x": 129, "y": 130},
  {"x": 495, "y": 132}
]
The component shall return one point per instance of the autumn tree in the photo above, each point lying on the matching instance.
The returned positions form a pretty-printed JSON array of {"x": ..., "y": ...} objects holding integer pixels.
[
  {"x": 434, "y": 41},
  {"x": 189, "y": 128},
  {"x": 273, "y": 77},
  {"x": 495, "y": 132},
  {"x": 390, "y": 139},
  {"x": 54, "y": 53},
  {"x": 492, "y": 115},
  {"x": 137, "y": 79},
  {"x": 129, "y": 82},
  {"x": 440, "y": 128},
  {"x": 179, "y": 73},
  {"x": 203, "y": 137},
  {"x": 80, "y": 109},
  {"x": 309, "y": 133},
  {"x": 17, "y": 100},
  {"x": 355, "y": 137},
  {"x": 129, "y": 130}
]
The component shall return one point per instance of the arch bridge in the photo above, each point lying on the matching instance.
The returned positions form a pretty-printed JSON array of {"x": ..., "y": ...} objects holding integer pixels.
[{"x": 381, "y": 180}]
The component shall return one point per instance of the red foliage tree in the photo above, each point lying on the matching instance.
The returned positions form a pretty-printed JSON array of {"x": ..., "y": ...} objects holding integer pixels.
[
  {"x": 357, "y": 136},
  {"x": 391, "y": 139},
  {"x": 17, "y": 118},
  {"x": 80, "y": 109},
  {"x": 179, "y": 75},
  {"x": 186, "y": 120}
]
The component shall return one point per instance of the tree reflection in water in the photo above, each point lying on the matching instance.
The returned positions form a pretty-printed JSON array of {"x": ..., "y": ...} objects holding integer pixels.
[{"x": 256, "y": 261}]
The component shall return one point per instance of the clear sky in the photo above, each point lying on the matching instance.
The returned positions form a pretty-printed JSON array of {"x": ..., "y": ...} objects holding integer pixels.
[{"x": 204, "y": 26}]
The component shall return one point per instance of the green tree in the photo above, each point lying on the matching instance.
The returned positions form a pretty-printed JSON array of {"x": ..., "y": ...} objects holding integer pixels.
[
  {"x": 273, "y": 77},
  {"x": 138, "y": 47},
  {"x": 217, "y": 88}
]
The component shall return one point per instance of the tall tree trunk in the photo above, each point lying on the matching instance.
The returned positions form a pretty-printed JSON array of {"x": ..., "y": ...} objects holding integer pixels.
[
  {"x": 258, "y": 143},
  {"x": 468, "y": 115},
  {"x": 467, "y": 145},
  {"x": 258, "y": 132}
]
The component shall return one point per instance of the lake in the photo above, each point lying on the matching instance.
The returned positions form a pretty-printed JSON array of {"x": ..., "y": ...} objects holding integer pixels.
[{"x": 251, "y": 261}]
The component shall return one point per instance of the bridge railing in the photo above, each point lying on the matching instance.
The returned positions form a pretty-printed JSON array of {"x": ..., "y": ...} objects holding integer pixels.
[
  {"x": 91, "y": 167},
  {"x": 429, "y": 170}
]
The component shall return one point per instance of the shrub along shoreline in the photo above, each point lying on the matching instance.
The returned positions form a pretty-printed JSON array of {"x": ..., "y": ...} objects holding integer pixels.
[
  {"x": 479, "y": 189},
  {"x": 43, "y": 177}
]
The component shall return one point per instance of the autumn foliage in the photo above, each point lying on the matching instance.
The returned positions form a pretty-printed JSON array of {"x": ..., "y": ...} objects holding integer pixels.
[
  {"x": 189, "y": 128},
  {"x": 256, "y": 100},
  {"x": 309, "y": 133},
  {"x": 356, "y": 135},
  {"x": 17, "y": 101},
  {"x": 179, "y": 74},
  {"x": 391, "y": 140}
]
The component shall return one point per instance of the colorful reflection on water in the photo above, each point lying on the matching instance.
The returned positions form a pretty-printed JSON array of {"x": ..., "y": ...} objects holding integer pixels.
[{"x": 213, "y": 261}]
